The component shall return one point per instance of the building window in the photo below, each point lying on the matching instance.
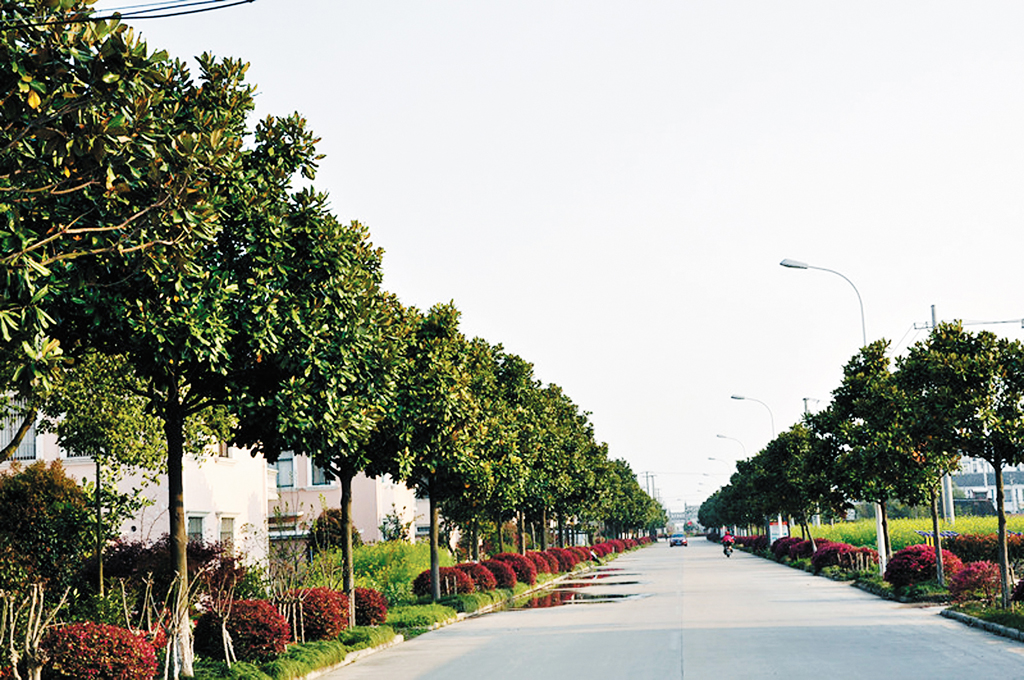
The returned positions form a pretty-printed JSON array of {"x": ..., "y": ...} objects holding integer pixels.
[
  {"x": 227, "y": 531},
  {"x": 319, "y": 475},
  {"x": 9, "y": 428},
  {"x": 195, "y": 528},
  {"x": 285, "y": 470}
]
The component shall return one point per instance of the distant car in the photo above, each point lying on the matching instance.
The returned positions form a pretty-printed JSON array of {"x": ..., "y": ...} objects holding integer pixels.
[{"x": 677, "y": 539}]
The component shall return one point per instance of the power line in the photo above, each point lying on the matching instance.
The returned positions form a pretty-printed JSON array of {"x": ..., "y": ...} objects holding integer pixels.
[{"x": 156, "y": 10}]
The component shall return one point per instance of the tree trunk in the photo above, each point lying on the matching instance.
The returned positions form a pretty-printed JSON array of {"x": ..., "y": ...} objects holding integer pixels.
[
  {"x": 561, "y": 530},
  {"x": 521, "y": 533},
  {"x": 475, "y": 541},
  {"x": 181, "y": 631},
  {"x": 939, "y": 571},
  {"x": 544, "y": 529},
  {"x": 99, "y": 529},
  {"x": 501, "y": 535},
  {"x": 348, "y": 579},
  {"x": 435, "y": 564},
  {"x": 885, "y": 531},
  {"x": 1004, "y": 562}
]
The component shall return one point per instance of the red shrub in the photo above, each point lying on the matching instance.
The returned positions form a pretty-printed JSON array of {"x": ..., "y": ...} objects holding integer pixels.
[
  {"x": 916, "y": 563},
  {"x": 324, "y": 612},
  {"x": 525, "y": 571},
  {"x": 780, "y": 548},
  {"x": 617, "y": 545},
  {"x": 482, "y": 577},
  {"x": 582, "y": 554},
  {"x": 976, "y": 581},
  {"x": 504, "y": 575},
  {"x": 371, "y": 607},
  {"x": 453, "y": 580},
  {"x": 602, "y": 549},
  {"x": 99, "y": 652},
  {"x": 258, "y": 632},
  {"x": 543, "y": 563},
  {"x": 631, "y": 543},
  {"x": 566, "y": 558}
]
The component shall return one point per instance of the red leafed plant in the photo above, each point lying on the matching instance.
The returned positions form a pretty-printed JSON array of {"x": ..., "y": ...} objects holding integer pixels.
[
  {"x": 525, "y": 571},
  {"x": 916, "y": 563},
  {"x": 482, "y": 577},
  {"x": 976, "y": 581},
  {"x": 258, "y": 632},
  {"x": 96, "y": 651},
  {"x": 504, "y": 575},
  {"x": 452, "y": 579},
  {"x": 371, "y": 607},
  {"x": 324, "y": 612}
]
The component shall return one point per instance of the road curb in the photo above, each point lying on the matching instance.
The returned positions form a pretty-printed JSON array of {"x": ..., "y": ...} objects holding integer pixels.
[{"x": 973, "y": 622}]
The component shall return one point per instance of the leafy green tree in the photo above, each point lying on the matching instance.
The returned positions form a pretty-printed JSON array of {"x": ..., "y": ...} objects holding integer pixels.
[
  {"x": 434, "y": 421},
  {"x": 865, "y": 430},
  {"x": 969, "y": 398},
  {"x": 106, "y": 149}
]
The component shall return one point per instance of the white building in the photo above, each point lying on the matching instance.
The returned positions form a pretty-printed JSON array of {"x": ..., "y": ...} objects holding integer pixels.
[
  {"x": 977, "y": 480},
  {"x": 226, "y": 493}
]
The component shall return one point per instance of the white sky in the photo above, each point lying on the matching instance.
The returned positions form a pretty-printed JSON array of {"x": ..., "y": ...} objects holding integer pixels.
[{"x": 607, "y": 188}]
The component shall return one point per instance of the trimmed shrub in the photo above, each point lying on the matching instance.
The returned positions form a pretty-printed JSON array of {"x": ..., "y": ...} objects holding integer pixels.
[
  {"x": 453, "y": 580},
  {"x": 916, "y": 563},
  {"x": 482, "y": 577},
  {"x": 525, "y": 571},
  {"x": 543, "y": 563},
  {"x": 583, "y": 554},
  {"x": 324, "y": 612},
  {"x": 98, "y": 652},
  {"x": 780, "y": 548},
  {"x": 566, "y": 558},
  {"x": 371, "y": 607},
  {"x": 976, "y": 581},
  {"x": 504, "y": 575},
  {"x": 602, "y": 549},
  {"x": 617, "y": 545},
  {"x": 258, "y": 632}
]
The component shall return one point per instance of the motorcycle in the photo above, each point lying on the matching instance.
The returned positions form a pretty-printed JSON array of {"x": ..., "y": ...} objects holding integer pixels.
[{"x": 727, "y": 549}]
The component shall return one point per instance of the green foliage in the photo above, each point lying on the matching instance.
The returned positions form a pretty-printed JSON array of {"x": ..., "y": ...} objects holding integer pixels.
[
  {"x": 47, "y": 528},
  {"x": 327, "y": 532},
  {"x": 419, "y": 616},
  {"x": 393, "y": 528},
  {"x": 391, "y": 567}
]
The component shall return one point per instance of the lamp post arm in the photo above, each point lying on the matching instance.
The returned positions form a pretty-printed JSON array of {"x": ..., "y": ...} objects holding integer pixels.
[{"x": 863, "y": 327}]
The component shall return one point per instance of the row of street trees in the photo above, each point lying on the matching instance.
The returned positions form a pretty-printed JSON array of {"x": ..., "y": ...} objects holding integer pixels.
[
  {"x": 155, "y": 252},
  {"x": 891, "y": 433}
]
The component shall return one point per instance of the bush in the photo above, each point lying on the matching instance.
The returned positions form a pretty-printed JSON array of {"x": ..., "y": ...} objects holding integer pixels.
[
  {"x": 780, "y": 548},
  {"x": 916, "y": 563},
  {"x": 976, "y": 581},
  {"x": 482, "y": 577},
  {"x": 543, "y": 563},
  {"x": 504, "y": 575},
  {"x": 98, "y": 652},
  {"x": 567, "y": 559},
  {"x": 326, "y": 533},
  {"x": 391, "y": 567},
  {"x": 258, "y": 632},
  {"x": 841, "y": 555},
  {"x": 371, "y": 607},
  {"x": 324, "y": 612},
  {"x": 525, "y": 571},
  {"x": 453, "y": 580},
  {"x": 49, "y": 535}
]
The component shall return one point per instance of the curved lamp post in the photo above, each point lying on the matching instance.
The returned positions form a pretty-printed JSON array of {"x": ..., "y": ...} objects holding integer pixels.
[
  {"x": 797, "y": 264},
  {"x": 771, "y": 416}
]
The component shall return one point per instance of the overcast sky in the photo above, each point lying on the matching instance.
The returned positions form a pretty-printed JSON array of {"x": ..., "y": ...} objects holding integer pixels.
[{"x": 607, "y": 188}]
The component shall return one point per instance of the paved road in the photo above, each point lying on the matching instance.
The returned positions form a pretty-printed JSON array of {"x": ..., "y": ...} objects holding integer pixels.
[{"x": 692, "y": 613}]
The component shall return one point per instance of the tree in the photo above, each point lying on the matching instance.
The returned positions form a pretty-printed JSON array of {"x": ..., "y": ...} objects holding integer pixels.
[
  {"x": 106, "y": 149},
  {"x": 435, "y": 419},
  {"x": 970, "y": 399},
  {"x": 864, "y": 428}
]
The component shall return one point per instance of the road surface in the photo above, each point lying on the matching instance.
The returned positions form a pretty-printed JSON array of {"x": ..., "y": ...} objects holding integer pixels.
[{"x": 691, "y": 613}]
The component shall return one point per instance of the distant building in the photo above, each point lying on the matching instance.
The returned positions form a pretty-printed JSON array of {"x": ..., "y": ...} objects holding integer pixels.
[{"x": 976, "y": 479}]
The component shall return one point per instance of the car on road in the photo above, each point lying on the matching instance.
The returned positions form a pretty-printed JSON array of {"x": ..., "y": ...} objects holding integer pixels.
[{"x": 677, "y": 539}]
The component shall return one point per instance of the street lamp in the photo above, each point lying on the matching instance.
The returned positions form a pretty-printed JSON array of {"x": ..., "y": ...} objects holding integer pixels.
[
  {"x": 771, "y": 416},
  {"x": 796, "y": 264}
]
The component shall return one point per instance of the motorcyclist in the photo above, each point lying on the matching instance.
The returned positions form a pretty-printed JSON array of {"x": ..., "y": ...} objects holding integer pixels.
[{"x": 727, "y": 541}]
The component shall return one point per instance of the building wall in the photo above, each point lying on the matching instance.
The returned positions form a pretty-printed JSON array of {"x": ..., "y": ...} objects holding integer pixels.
[
  {"x": 226, "y": 496},
  {"x": 303, "y": 492}
]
